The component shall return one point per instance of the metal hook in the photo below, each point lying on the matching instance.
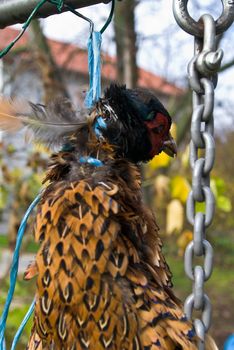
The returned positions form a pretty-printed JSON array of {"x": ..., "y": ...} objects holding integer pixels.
[
  {"x": 187, "y": 23},
  {"x": 71, "y": 9}
]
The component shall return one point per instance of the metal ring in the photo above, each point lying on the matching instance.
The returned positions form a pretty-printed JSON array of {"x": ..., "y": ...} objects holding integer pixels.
[
  {"x": 199, "y": 233},
  {"x": 198, "y": 98},
  {"x": 200, "y": 332},
  {"x": 198, "y": 287},
  {"x": 205, "y": 99},
  {"x": 206, "y": 312},
  {"x": 208, "y": 87},
  {"x": 187, "y": 23},
  {"x": 193, "y": 154},
  {"x": 188, "y": 306},
  {"x": 210, "y": 206},
  {"x": 188, "y": 260},
  {"x": 209, "y": 257},
  {"x": 209, "y": 152},
  {"x": 208, "y": 260},
  {"x": 209, "y": 125},
  {"x": 209, "y": 42},
  {"x": 193, "y": 76},
  {"x": 198, "y": 173},
  {"x": 196, "y": 133}
]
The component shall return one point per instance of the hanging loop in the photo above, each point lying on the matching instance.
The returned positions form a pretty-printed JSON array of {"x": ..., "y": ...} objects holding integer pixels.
[
  {"x": 188, "y": 24},
  {"x": 109, "y": 19},
  {"x": 78, "y": 14}
]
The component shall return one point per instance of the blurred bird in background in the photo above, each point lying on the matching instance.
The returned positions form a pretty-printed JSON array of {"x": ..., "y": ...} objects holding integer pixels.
[{"x": 102, "y": 281}]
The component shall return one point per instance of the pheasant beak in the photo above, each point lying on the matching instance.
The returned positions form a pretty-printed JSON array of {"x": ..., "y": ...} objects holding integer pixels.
[{"x": 169, "y": 146}]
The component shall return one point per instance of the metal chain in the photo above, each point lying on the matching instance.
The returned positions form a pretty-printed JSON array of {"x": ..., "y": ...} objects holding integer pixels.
[{"x": 202, "y": 74}]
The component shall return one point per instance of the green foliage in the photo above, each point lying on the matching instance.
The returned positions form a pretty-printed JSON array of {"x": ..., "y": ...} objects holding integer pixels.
[
  {"x": 173, "y": 182},
  {"x": 34, "y": 184},
  {"x": 14, "y": 320},
  {"x": 3, "y": 242},
  {"x": 224, "y": 203},
  {"x": 23, "y": 295},
  {"x": 219, "y": 189},
  {"x": 3, "y": 196},
  {"x": 180, "y": 188},
  {"x": 10, "y": 149}
]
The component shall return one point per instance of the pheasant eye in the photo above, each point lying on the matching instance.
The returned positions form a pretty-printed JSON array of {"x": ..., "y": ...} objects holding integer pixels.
[{"x": 158, "y": 129}]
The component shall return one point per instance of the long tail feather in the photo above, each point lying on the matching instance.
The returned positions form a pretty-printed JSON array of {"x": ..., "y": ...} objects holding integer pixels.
[
  {"x": 50, "y": 125},
  {"x": 10, "y": 120},
  {"x": 10, "y": 123}
]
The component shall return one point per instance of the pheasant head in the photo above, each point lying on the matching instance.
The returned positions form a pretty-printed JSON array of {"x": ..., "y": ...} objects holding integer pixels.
[
  {"x": 133, "y": 122},
  {"x": 136, "y": 123}
]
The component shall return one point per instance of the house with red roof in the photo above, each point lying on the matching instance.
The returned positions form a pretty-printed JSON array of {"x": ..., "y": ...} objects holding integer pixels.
[{"x": 20, "y": 77}]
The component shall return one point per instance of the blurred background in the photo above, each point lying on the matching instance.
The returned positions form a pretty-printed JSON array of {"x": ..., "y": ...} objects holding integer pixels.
[{"x": 142, "y": 47}]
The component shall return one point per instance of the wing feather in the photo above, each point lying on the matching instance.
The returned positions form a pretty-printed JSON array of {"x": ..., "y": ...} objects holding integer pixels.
[{"x": 51, "y": 124}]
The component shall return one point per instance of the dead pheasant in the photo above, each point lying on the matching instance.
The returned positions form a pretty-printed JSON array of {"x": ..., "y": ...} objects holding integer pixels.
[{"x": 102, "y": 281}]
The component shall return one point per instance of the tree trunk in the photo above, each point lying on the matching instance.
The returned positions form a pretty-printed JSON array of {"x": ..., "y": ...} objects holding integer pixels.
[
  {"x": 126, "y": 45},
  {"x": 50, "y": 74}
]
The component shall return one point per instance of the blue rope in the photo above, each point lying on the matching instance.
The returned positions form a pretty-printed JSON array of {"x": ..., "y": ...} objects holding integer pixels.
[
  {"x": 14, "y": 271},
  {"x": 21, "y": 327},
  {"x": 91, "y": 161},
  {"x": 229, "y": 343},
  {"x": 94, "y": 63},
  {"x": 99, "y": 126}
]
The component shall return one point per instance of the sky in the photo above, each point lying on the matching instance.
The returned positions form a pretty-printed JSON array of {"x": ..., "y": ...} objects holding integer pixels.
[{"x": 164, "y": 48}]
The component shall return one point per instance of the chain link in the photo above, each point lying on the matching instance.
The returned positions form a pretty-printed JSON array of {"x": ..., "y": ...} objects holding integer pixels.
[{"x": 202, "y": 74}]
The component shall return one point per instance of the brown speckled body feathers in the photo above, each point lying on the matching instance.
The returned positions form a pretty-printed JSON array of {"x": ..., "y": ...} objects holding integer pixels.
[{"x": 102, "y": 280}]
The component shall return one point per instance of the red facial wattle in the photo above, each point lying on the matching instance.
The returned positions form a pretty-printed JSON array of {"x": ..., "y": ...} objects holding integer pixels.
[{"x": 158, "y": 129}]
